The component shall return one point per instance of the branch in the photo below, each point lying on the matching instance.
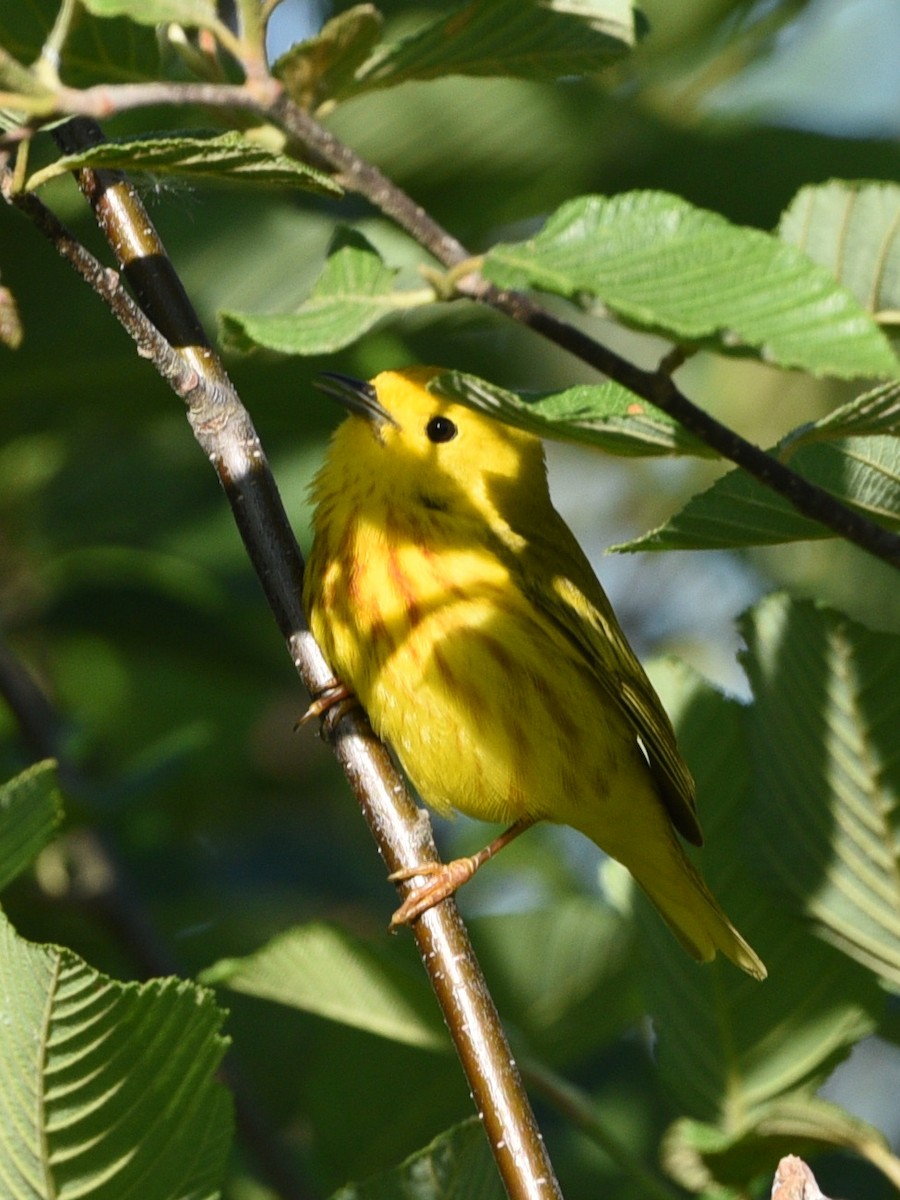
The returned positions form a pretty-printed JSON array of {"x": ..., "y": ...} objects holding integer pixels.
[{"x": 225, "y": 432}]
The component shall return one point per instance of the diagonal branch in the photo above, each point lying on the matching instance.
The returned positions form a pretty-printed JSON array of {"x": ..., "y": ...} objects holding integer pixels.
[{"x": 403, "y": 834}]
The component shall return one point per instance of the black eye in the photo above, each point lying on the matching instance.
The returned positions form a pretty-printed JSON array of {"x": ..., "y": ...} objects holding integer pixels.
[{"x": 441, "y": 429}]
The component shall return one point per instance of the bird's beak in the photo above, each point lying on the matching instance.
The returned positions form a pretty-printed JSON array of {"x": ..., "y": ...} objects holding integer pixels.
[{"x": 356, "y": 395}]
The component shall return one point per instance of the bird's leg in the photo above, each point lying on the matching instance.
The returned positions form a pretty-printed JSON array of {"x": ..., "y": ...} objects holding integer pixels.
[
  {"x": 447, "y": 877},
  {"x": 333, "y": 701}
]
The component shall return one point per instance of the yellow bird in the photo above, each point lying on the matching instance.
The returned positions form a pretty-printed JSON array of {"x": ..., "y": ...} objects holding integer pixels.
[{"x": 452, "y": 599}]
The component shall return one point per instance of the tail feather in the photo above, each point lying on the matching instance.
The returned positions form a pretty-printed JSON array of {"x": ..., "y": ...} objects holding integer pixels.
[{"x": 694, "y": 915}]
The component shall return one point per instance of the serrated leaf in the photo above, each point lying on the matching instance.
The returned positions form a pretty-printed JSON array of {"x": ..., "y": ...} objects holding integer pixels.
[
  {"x": 109, "y": 1089},
  {"x": 30, "y": 811},
  {"x": 457, "y": 1165},
  {"x": 156, "y": 12},
  {"x": 875, "y": 412},
  {"x": 662, "y": 265},
  {"x": 701, "y": 1157},
  {"x": 863, "y": 472},
  {"x": 825, "y": 727},
  {"x": 353, "y": 293},
  {"x": 323, "y": 970},
  {"x": 607, "y": 415},
  {"x": 728, "y": 1046},
  {"x": 852, "y": 229},
  {"x": 526, "y": 39},
  {"x": 324, "y": 67},
  {"x": 228, "y": 156}
]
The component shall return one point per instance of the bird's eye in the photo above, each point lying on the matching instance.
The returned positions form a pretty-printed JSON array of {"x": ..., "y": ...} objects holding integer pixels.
[{"x": 441, "y": 429}]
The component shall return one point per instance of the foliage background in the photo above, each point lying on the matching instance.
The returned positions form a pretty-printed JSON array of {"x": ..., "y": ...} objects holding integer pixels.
[{"x": 125, "y": 589}]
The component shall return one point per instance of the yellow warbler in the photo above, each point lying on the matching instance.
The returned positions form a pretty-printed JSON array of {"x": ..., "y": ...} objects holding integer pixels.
[{"x": 454, "y": 601}]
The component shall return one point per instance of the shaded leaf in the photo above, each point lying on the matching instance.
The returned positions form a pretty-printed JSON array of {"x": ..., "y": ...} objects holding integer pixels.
[
  {"x": 457, "y": 1165},
  {"x": 324, "y": 67},
  {"x": 109, "y": 1089},
  {"x": 321, "y": 969},
  {"x": 664, "y": 266},
  {"x": 156, "y": 12},
  {"x": 728, "y": 1046},
  {"x": 853, "y": 229},
  {"x": 608, "y": 416},
  {"x": 522, "y": 38},
  {"x": 30, "y": 811},
  {"x": 353, "y": 293},
  {"x": 825, "y": 727},
  {"x": 875, "y": 412},
  {"x": 863, "y": 472},
  {"x": 230, "y": 155}
]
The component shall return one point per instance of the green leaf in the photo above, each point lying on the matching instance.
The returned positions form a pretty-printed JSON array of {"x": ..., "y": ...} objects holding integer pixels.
[
  {"x": 156, "y": 12},
  {"x": 825, "y": 727},
  {"x": 30, "y": 811},
  {"x": 230, "y": 156},
  {"x": 853, "y": 229},
  {"x": 608, "y": 416},
  {"x": 109, "y": 1089},
  {"x": 457, "y": 1165},
  {"x": 325, "y": 66},
  {"x": 739, "y": 511},
  {"x": 321, "y": 969},
  {"x": 701, "y": 1157},
  {"x": 353, "y": 293},
  {"x": 664, "y": 266},
  {"x": 522, "y": 38},
  {"x": 727, "y": 1045},
  {"x": 875, "y": 412}
]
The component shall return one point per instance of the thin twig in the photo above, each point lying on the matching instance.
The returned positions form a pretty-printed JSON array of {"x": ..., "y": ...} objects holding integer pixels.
[{"x": 403, "y": 834}]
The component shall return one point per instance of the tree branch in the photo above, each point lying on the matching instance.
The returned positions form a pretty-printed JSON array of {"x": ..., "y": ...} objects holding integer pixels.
[{"x": 403, "y": 834}]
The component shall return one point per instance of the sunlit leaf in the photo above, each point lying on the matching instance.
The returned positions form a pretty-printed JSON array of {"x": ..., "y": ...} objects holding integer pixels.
[
  {"x": 875, "y": 412},
  {"x": 727, "y": 1045},
  {"x": 607, "y": 415},
  {"x": 825, "y": 740},
  {"x": 229, "y": 156},
  {"x": 524, "y": 38},
  {"x": 109, "y": 1089},
  {"x": 156, "y": 12},
  {"x": 324, "y": 970},
  {"x": 353, "y": 293},
  {"x": 664, "y": 266},
  {"x": 853, "y": 229},
  {"x": 30, "y": 810},
  {"x": 737, "y": 510}
]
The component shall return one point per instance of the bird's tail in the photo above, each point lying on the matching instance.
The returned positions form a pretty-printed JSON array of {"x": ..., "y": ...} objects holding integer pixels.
[{"x": 692, "y": 912}]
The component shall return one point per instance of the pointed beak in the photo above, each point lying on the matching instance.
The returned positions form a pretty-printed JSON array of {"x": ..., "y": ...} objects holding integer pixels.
[{"x": 356, "y": 395}]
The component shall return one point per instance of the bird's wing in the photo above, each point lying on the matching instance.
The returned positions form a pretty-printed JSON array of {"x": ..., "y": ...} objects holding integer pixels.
[{"x": 556, "y": 577}]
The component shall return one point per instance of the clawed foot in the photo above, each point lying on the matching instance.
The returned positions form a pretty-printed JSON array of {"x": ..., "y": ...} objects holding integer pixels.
[
  {"x": 334, "y": 700},
  {"x": 445, "y": 879}
]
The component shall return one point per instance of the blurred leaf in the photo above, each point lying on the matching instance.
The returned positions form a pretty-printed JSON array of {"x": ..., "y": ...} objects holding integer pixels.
[
  {"x": 228, "y": 156},
  {"x": 30, "y": 811},
  {"x": 853, "y": 229},
  {"x": 552, "y": 998},
  {"x": 608, "y": 416},
  {"x": 156, "y": 12},
  {"x": 702, "y": 1157},
  {"x": 739, "y": 511},
  {"x": 324, "y": 970},
  {"x": 875, "y": 412},
  {"x": 11, "y": 331},
  {"x": 353, "y": 293},
  {"x": 109, "y": 1089},
  {"x": 457, "y": 1165},
  {"x": 825, "y": 727},
  {"x": 524, "y": 38},
  {"x": 324, "y": 67},
  {"x": 662, "y": 265},
  {"x": 728, "y": 1046}
]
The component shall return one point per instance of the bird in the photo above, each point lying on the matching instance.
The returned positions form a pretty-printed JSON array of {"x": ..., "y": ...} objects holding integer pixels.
[{"x": 457, "y": 607}]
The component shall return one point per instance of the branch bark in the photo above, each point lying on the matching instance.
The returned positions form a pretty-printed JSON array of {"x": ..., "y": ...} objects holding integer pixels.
[{"x": 225, "y": 432}]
